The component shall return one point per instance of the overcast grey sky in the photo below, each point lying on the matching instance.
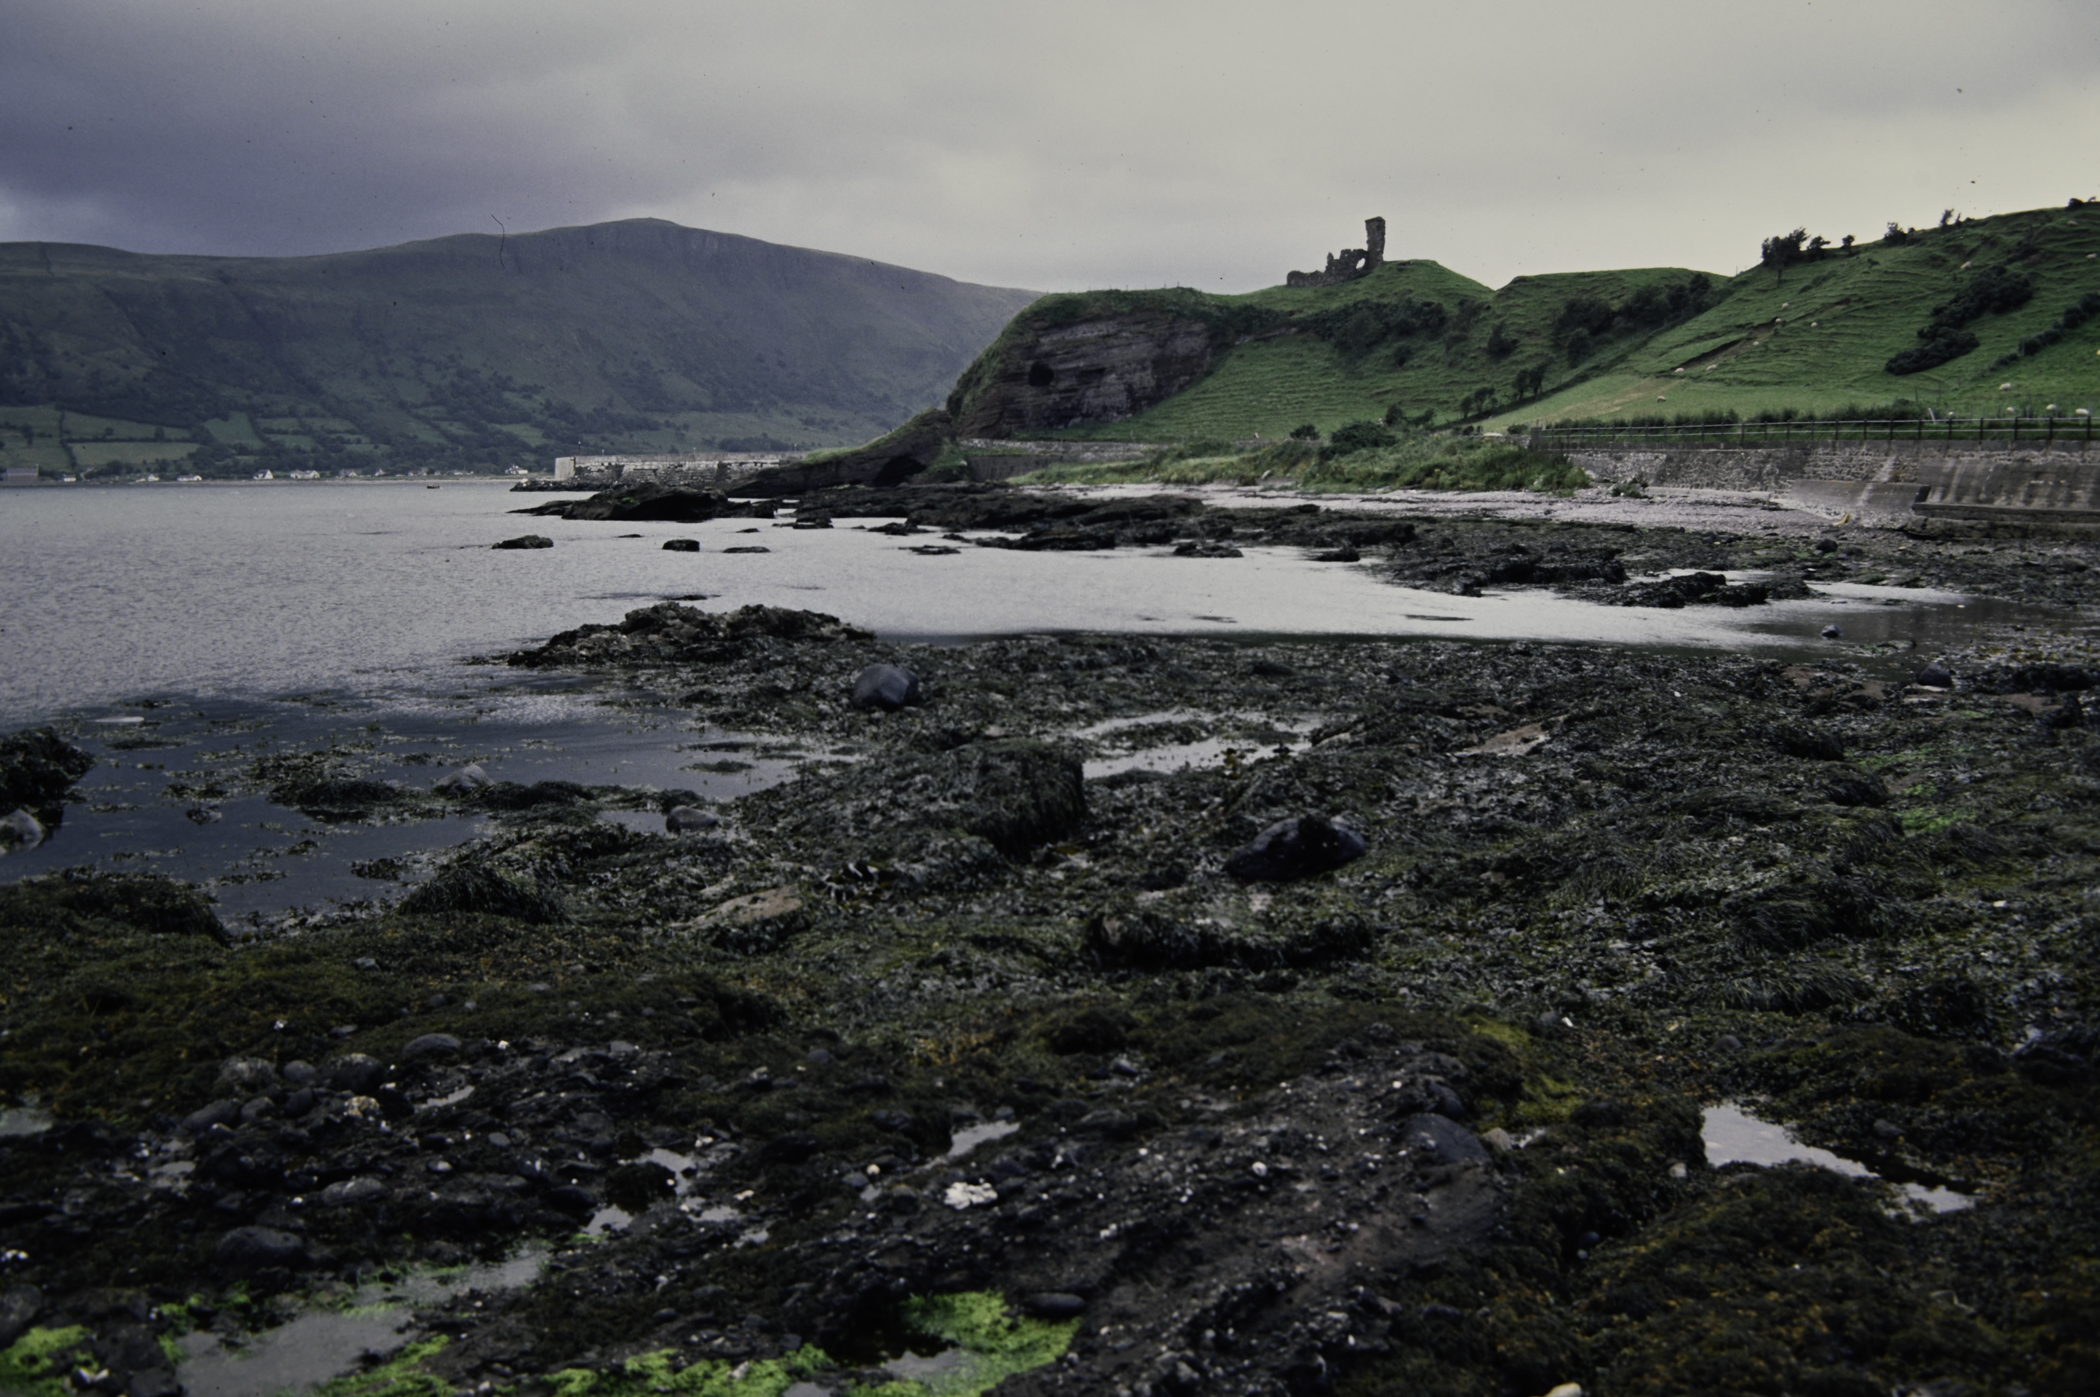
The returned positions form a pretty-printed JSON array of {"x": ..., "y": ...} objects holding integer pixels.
[{"x": 1048, "y": 145}]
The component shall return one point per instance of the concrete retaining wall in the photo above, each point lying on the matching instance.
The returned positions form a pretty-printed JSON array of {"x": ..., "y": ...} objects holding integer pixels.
[
  {"x": 1885, "y": 483},
  {"x": 1770, "y": 468}
]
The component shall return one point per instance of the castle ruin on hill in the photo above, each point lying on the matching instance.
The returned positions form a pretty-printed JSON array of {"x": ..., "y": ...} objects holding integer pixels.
[{"x": 1350, "y": 263}]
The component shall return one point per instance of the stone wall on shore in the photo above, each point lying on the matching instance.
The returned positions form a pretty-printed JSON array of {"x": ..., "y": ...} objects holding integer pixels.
[
  {"x": 1774, "y": 467},
  {"x": 1885, "y": 483}
]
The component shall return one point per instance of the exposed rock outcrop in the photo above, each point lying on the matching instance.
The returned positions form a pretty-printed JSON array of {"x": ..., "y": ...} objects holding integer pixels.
[
  {"x": 890, "y": 459},
  {"x": 668, "y": 631},
  {"x": 1101, "y": 369}
]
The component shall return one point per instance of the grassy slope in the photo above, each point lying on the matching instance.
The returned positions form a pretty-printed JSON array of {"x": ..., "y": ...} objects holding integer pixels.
[
  {"x": 1269, "y": 386},
  {"x": 1844, "y": 317},
  {"x": 635, "y": 335}
]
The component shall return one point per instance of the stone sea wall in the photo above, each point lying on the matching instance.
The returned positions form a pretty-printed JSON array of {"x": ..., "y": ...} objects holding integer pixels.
[
  {"x": 1884, "y": 482},
  {"x": 1772, "y": 468}
]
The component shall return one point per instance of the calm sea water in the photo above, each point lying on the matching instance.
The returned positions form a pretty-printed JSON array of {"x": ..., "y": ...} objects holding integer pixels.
[{"x": 261, "y": 591}]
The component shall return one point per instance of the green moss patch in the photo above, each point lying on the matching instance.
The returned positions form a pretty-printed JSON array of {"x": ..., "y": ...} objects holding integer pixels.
[{"x": 36, "y": 1364}]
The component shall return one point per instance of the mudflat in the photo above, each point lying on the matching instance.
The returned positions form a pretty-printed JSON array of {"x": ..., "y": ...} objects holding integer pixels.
[{"x": 1105, "y": 1013}]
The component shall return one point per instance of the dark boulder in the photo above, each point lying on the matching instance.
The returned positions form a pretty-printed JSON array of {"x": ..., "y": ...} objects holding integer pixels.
[
  {"x": 19, "y": 1307},
  {"x": 671, "y": 632},
  {"x": 637, "y": 1185},
  {"x": 477, "y": 889},
  {"x": 1694, "y": 589},
  {"x": 688, "y": 819},
  {"x": 525, "y": 541},
  {"x": 1812, "y": 743},
  {"x": 350, "y": 1193},
  {"x": 681, "y": 545},
  {"x": 887, "y": 687},
  {"x": 1856, "y": 788},
  {"x": 36, "y": 768},
  {"x": 357, "y": 1073},
  {"x": 791, "y": 1148},
  {"x": 223, "y": 1112},
  {"x": 1936, "y": 675},
  {"x": 641, "y": 501},
  {"x": 1296, "y": 848},
  {"x": 430, "y": 1045},
  {"x": 260, "y": 1248},
  {"x": 1433, "y": 1139}
]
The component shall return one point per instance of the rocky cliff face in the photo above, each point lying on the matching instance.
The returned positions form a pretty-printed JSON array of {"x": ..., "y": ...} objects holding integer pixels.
[{"x": 1098, "y": 370}]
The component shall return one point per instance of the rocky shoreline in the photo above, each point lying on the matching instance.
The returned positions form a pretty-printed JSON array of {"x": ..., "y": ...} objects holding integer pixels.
[{"x": 1142, "y": 1015}]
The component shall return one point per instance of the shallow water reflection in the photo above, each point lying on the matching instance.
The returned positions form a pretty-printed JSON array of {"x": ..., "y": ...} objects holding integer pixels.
[
  {"x": 1734, "y": 1136},
  {"x": 327, "y": 1343}
]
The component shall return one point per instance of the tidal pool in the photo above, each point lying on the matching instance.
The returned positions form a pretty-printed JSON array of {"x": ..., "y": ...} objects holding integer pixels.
[
  {"x": 323, "y": 1343},
  {"x": 1734, "y": 1136}
]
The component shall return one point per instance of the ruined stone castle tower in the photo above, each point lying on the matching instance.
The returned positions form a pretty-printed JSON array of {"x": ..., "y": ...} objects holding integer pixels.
[{"x": 1350, "y": 263}]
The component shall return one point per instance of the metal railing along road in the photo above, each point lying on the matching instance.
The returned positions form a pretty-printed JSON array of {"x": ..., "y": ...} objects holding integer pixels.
[{"x": 2009, "y": 429}]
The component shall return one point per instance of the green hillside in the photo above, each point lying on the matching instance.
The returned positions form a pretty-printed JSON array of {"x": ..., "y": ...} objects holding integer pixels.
[
  {"x": 1818, "y": 338},
  {"x": 469, "y": 352},
  {"x": 1814, "y": 338}
]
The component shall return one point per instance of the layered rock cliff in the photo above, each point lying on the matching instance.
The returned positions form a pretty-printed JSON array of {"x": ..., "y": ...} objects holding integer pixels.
[{"x": 1046, "y": 372}]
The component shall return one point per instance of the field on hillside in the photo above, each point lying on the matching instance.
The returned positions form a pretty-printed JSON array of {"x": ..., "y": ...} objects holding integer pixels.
[
  {"x": 1817, "y": 339},
  {"x": 1658, "y": 341}
]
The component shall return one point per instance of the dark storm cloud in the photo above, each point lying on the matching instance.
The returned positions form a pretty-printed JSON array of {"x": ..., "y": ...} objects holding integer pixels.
[{"x": 1085, "y": 143}]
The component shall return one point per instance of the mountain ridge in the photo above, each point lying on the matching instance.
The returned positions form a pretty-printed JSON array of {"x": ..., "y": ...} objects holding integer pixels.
[{"x": 475, "y": 349}]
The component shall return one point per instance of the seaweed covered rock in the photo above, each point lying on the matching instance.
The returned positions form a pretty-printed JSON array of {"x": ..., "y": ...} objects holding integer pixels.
[
  {"x": 1693, "y": 589},
  {"x": 330, "y": 796},
  {"x": 144, "y": 901},
  {"x": 1148, "y": 940},
  {"x": 480, "y": 889},
  {"x": 671, "y": 632},
  {"x": 639, "y": 502},
  {"x": 1013, "y": 794},
  {"x": 1009, "y": 510},
  {"x": 36, "y": 768},
  {"x": 947, "y": 815}
]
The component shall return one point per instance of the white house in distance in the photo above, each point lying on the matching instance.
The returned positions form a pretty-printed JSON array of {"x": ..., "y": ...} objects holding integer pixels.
[{"x": 716, "y": 469}]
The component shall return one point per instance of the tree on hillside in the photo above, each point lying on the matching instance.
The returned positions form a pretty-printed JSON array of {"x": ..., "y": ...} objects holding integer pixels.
[
  {"x": 1530, "y": 382},
  {"x": 1780, "y": 252}
]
